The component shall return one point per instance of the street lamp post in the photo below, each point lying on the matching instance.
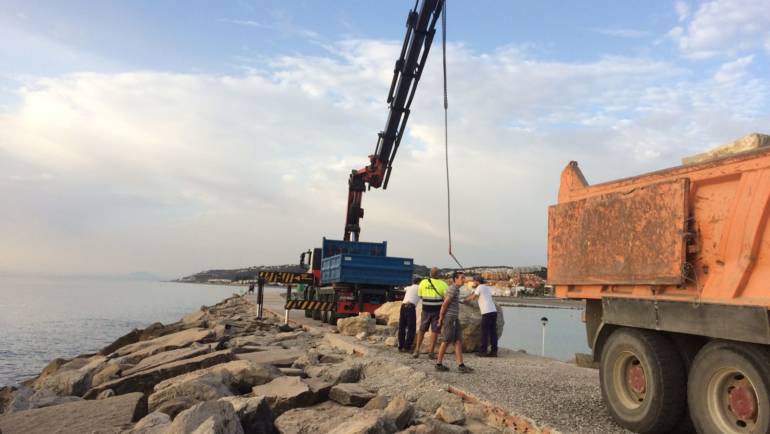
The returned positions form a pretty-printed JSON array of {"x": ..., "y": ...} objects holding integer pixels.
[{"x": 543, "y": 321}]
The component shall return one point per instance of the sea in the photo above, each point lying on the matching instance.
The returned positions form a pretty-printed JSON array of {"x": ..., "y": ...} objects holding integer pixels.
[{"x": 45, "y": 318}]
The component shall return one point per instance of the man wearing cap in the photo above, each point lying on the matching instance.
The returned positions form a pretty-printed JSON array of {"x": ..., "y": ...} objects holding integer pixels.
[
  {"x": 431, "y": 292},
  {"x": 407, "y": 318},
  {"x": 483, "y": 294},
  {"x": 451, "y": 329}
]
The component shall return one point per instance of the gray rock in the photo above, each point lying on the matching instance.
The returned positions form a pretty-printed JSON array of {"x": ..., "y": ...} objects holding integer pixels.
[
  {"x": 285, "y": 393},
  {"x": 208, "y": 386},
  {"x": 6, "y": 395},
  {"x": 319, "y": 387},
  {"x": 145, "y": 381},
  {"x": 367, "y": 423},
  {"x": 108, "y": 372},
  {"x": 399, "y": 412},
  {"x": 106, "y": 415},
  {"x": 418, "y": 429},
  {"x": 308, "y": 359},
  {"x": 154, "y": 423},
  {"x": 254, "y": 413},
  {"x": 28, "y": 399},
  {"x": 277, "y": 357},
  {"x": 350, "y": 394},
  {"x": 164, "y": 343},
  {"x": 439, "y": 427},
  {"x": 72, "y": 382},
  {"x": 215, "y": 417},
  {"x": 320, "y": 418},
  {"x": 451, "y": 411},
  {"x": 346, "y": 372},
  {"x": 430, "y": 402},
  {"x": 167, "y": 357},
  {"x": 356, "y": 324},
  {"x": 379, "y": 402},
  {"x": 175, "y": 406},
  {"x": 293, "y": 372}
]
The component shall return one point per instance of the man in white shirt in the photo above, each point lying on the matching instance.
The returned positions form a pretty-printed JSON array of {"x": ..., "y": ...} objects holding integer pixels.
[
  {"x": 488, "y": 317},
  {"x": 407, "y": 319}
]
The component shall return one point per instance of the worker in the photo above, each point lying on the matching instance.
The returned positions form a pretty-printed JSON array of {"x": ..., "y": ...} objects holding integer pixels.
[
  {"x": 483, "y": 294},
  {"x": 251, "y": 288},
  {"x": 407, "y": 317},
  {"x": 431, "y": 292},
  {"x": 451, "y": 329}
]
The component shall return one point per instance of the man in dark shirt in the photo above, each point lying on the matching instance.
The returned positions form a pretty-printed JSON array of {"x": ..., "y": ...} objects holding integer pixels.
[{"x": 449, "y": 322}]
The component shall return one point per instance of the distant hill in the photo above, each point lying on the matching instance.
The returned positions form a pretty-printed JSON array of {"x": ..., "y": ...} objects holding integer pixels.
[{"x": 233, "y": 275}]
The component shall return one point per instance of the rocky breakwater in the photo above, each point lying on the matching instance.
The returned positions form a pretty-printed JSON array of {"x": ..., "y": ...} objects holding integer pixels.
[{"x": 219, "y": 370}]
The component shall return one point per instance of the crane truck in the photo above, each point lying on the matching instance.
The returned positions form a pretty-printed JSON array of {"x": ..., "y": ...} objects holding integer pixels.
[
  {"x": 348, "y": 276},
  {"x": 674, "y": 268}
]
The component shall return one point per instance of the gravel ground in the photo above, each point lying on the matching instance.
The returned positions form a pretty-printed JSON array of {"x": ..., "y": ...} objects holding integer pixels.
[{"x": 552, "y": 393}]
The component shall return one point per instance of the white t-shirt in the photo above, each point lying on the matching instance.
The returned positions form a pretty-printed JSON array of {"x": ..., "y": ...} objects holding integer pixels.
[
  {"x": 411, "y": 294},
  {"x": 486, "y": 305}
]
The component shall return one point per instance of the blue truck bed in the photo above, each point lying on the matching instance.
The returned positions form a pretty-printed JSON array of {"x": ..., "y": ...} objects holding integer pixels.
[
  {"x": 366, "y": 269},
  {"x": 339, "y": 247}
]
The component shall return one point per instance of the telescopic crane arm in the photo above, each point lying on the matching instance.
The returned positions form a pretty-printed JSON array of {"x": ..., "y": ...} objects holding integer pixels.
[{"x": 420, "y": 28}]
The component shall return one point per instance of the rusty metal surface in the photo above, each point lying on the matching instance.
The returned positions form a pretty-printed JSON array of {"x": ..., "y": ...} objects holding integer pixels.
[{"x": 620, "y": 238}]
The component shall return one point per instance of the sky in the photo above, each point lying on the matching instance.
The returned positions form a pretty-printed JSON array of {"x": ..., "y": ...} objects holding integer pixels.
[{"x": 173, "y": 137}]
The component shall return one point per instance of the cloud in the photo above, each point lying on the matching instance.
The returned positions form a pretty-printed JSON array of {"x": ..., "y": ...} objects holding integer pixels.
[
  {"x": 623, "y": 33},
  {"x": 723, "y": 28},
  {"x": 173, "y": 173}
]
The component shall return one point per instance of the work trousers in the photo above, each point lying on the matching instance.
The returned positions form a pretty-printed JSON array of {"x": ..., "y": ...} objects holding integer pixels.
[
  {"x": 488, "y": 332},
  {"x": 407, "y": 322}
]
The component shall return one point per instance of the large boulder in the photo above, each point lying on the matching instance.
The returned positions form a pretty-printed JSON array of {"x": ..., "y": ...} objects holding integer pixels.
[
  {"x": 72, "y": 380},
  {"x": 215, "y": 417},
  {"x": 154, "y": 423},
  {"x": 254, "y": 413},
  {"x": 168, "y": 357},
  {"x": 320, "y": 418},
  {"x": 144, "y": 381},
  {"x": 356, "y": 324},
  {"x": 348, "y": 371},
  {"x": 470, "y": 319},
  {"x": 285, "y": 393},
  {"x": 399, "y": 412},
  {"x": 105, "y": 415},
  {"x": 276, "y": 357},
  {"x": 388, "y": 314},
  {"x": 108, "y": 372},
  {"x": 350, "y": 394},
  {"x": 142, "y": 349},
  {"x": 370, "y": 422},
  {"x": 218, "y": 381}
]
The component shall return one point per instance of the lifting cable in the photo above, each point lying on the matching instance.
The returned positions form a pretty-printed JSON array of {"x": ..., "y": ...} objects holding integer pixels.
[{"x": 446, "y": 137}]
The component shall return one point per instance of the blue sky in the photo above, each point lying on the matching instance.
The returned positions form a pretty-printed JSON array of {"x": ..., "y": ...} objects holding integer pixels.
[{"x": 171, "y": 137}]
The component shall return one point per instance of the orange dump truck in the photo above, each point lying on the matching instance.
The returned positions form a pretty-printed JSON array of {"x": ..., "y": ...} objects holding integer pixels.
[{"x": 674, "y": 266}]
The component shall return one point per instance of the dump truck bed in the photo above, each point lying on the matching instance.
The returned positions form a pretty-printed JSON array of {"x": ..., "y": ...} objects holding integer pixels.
[{"x": 688, "y": 233}]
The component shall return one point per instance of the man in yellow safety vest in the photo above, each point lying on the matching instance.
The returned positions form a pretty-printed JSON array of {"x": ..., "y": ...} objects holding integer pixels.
[{"x": 431, "y": 292}]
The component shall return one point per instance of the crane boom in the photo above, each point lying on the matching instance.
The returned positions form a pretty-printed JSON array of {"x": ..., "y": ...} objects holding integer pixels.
[{"x": 420, "y": 29}]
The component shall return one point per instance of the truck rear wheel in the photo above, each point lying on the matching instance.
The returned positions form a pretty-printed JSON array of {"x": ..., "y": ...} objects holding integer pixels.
[
  {"x": 642, "y": 381},
  {"x": 728, "y": 389}
]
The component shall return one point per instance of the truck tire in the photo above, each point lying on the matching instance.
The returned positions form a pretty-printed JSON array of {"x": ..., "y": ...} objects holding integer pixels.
[
  {"x": 308, "y": 313},
  {"x": 316, "y": 315},
  {"x": 333, "y": 318},
  {"x": 729, "y": 389},
  {"x": 643, "y": 380}
]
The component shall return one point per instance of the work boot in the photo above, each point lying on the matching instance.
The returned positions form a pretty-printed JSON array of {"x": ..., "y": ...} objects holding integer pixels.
[
  {"x": 416, "y": 355},
  {"x": 441, "y": 367},
  {"x": 463, "y": 369},
  {"x": 489, "y": 354}
]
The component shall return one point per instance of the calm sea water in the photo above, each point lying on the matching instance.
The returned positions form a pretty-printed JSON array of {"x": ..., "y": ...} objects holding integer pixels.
[
  {"x": 565, "y": 334},
  {"x": 41, "y": 319}
]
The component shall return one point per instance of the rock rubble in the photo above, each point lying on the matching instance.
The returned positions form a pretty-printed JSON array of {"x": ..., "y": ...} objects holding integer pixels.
[{"x": 219, "y": 370}]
